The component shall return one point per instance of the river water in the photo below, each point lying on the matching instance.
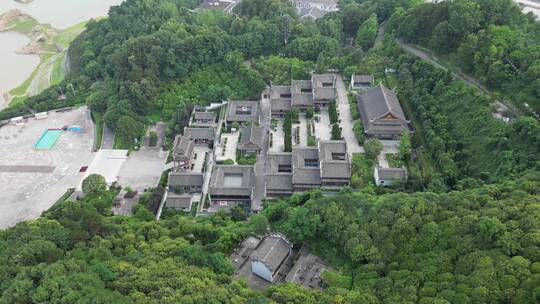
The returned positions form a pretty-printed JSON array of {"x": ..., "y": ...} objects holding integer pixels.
[{"x": 14, "y": 68}]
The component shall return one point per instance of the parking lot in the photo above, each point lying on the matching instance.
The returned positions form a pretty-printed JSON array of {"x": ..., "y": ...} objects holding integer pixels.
[{"x": 32, "y": 180}]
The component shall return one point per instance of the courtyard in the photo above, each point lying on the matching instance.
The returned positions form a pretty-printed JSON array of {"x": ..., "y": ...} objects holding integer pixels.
[{"x": 227, "y": 147}]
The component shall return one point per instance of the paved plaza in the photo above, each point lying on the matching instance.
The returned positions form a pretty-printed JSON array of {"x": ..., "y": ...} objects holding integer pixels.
[
  {"x": 323, "y": 127},
  {"x": 346, "y": 121},
  {"x": 31, "y": 181},
  {"x": 142, "y": 169},
  {"x": 228, "y": 144}
]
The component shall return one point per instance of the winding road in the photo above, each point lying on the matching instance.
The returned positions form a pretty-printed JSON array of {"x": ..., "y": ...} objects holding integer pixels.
[{"x": 426, "y": 56}]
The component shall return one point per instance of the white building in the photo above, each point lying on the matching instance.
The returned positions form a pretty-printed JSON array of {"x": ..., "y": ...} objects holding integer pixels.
[
  {"x": 269, "y": 256},
  {"x": 315, "y": 8}
]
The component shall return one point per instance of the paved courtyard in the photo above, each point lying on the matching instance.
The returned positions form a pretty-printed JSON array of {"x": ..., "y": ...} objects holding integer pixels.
[
  {"x": 41, "y": 177},
  {"x": 346, "y": 121},
  {"x": 278, "y": 143},
  {"x": 322, "y": 127},
  {"x": 302, "y": 131},
  {"x": 199, "y": 159},
  {"x": 228, "y": 144},
  {"x": 143, "y": 168}
]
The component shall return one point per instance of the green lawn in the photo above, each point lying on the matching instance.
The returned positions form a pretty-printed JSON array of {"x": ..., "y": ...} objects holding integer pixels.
[
  {"x": 65, "y": 37},
  {"x": 57, "y": 74},
  {"x": 23, "y": 25}
]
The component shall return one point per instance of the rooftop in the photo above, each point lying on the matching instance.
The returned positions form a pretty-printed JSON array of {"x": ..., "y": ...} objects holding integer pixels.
[
  {"x": 186, "y": 178},
  {"x": 183, "y": 146},
  {"x": 251, "y": 138},
  {"x": 363, "y": 79},
  {"x": 232, "y": 177},
  {"x": 199, "y": 133},
  {"x": 279, "y": 91},
  {"x": 379, "y": 102},
  {"x": 305, "y": 163},
  {"x": 392, "y": 173},
  {"x": 203, "y": 115},
  {"x": 324, "y": 80},
  {"x": 335, "y": 161},
  {"x": 301, "y": 86},
  {"x": 281, "y": 104},
  {"x": 242, "y": 110},
  {"x": 272, "y": 251},
  {"x": 179, "y": 201}
]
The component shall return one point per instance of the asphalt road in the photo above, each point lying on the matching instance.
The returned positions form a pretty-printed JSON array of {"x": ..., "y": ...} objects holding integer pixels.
[
  {"x": 466, "y": 79},
  {"x": 107, "y": 141}
]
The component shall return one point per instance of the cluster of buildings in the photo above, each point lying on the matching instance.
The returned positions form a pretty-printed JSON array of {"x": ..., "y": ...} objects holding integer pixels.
[
  {"x": 326, "y": 165},
  {"x": 273, "y": 259},
  {"x": 382, "y": 118},
  {"x": 303, "y": 94},
  {"x": 191, "y": 153},
  {"x": 242, "y": 131}
]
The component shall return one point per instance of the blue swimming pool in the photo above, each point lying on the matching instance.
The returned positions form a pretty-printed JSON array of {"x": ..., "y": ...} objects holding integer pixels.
[{"x": 48, "y": 139}]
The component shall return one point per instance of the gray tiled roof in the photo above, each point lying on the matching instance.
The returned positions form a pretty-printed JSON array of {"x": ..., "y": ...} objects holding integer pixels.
[
  {"x": 236, "y": 105},
  {"x": 217, "y": 186},
  {"x": 392, "y": 173},
  {"x": 331, "y": 167},
  {"x": 186, "y": 178},
  {"x": 275, "y": 180},
  {"x": 380, "y": 101},
  {"x": 279, "y": 182},
  {"x": 298, "y": 85},
  {"x": 199, "y": 133},
  {"x": 319, "y": 79},
  {"x": 302, "y": 99},
  {"x": 301, "y": 173},
  {"x": 178, "y": 201},
  {"x": 198, "y": 115},
  {"x": 368, "y": 79},
  {"x": 272, "y": 251},
  {"x": 280, "y": 105},
  {"x": 320, "y": 93},
  {"x": 183, "y": 146},
  {"x": 276, "y": 159},
  {"x": 276, "y": 91},
  {"x": 251, "y": 138},
  {"x": 377, "y": 103}
]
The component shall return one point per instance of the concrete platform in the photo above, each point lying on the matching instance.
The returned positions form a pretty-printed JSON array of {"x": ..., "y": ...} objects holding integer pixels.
[{"x": 32, "y": 180}]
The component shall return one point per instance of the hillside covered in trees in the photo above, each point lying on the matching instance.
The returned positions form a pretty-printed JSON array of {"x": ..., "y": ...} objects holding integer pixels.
[{"x": 464, "y": 229}]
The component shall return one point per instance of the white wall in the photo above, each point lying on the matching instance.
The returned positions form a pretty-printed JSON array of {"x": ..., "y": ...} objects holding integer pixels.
[{"x": 261, "y": 270}]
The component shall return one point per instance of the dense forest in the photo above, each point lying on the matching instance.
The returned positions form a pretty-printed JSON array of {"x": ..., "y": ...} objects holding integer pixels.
[
  {"x": 465, "y": 228},
  {"x": 489, "y": 39},
  {"x": 475, "y": 246}
]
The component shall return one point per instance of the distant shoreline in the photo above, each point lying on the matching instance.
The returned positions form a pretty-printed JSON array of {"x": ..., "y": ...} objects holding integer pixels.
[{"x": 48, "y": 43}]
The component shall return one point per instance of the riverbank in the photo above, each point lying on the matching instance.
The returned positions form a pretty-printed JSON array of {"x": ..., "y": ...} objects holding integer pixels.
[{"x": 46, "y": 42}]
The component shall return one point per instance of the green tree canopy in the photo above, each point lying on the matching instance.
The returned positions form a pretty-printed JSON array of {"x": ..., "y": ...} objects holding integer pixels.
[{"x": 94, "y": 184}]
